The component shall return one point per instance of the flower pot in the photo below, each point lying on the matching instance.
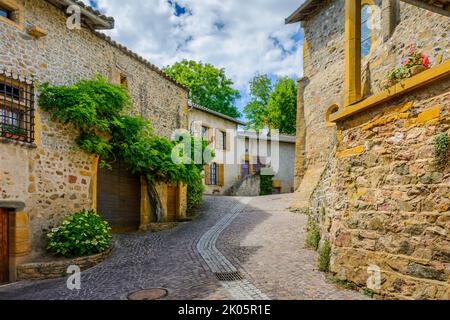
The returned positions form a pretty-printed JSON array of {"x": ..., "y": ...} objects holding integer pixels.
[
  {"x": 13, "y": 136},
  {"x": 387, "y": 83},
  {"x": 416, "y": 70}
]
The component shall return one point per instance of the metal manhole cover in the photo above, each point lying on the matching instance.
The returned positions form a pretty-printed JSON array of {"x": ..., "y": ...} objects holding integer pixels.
[
  {"x": 148, "y": 294},
  {"x": 229, "y": 276}
]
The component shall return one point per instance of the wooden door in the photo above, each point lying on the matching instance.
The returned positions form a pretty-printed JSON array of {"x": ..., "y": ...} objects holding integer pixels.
[
  {"x": 172, "y": 202},
  {"x": 4, "y": 247},
  {"x": 119, "y": 198}
]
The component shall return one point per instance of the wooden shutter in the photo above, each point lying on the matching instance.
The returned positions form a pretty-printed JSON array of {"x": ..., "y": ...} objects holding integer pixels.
[
  {"x": 227, "y": 141},
  {"x": 207, "y": 175},
  {"x": 210, "y": 135},
  {"x": 221, "y": 175},
  {"x": 217, "y": 142},
  {"x": 4, "y": 247}
]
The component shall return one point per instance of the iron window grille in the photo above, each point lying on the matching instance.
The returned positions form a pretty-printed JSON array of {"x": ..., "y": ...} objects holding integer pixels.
[{"x": 16, "y": 107}]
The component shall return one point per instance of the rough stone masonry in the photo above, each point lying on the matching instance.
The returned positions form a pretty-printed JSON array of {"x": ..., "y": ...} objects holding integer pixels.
[
  {"x": 56, "y": 178},
  {"x": 377, "y": 193}
]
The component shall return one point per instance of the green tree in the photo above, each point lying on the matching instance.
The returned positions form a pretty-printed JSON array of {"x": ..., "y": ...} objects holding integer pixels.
[
  {"x": 282, "y": 106},
  {"x": 256, "y": 110},
  {"x": 208, "y": 85}
]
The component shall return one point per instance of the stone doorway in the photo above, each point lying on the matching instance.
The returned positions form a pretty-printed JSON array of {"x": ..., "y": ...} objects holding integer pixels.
[{"x": 4, "y": 246}]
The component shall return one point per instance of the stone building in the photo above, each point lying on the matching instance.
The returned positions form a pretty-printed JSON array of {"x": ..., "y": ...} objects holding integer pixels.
[
  {"x": 365, "y": 164},
  {"x": 239, "y": 155},
  {"x": 43, "y": 175}
]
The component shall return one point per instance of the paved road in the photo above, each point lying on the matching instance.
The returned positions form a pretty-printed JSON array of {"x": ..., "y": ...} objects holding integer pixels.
[{"x": 256, "y": 241}]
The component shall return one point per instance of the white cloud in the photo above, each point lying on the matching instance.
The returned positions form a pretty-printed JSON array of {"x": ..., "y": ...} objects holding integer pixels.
[{"x": 243, "y": 36}]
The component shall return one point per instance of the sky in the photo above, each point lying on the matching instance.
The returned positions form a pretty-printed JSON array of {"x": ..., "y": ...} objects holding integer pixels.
[{"x": 246, "y": 37}]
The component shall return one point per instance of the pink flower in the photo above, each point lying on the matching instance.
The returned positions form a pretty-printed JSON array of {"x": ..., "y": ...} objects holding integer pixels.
[{"x": 425, "y": 61}]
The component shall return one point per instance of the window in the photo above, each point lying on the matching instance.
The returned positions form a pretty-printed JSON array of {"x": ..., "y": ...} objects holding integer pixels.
[
  {"x": 213, "y": 174},
  {"x": 5, "y": 13},
  {"x": 205, "y": 135},
  {"x": 123, "y": 81},
  {"x": 366, "y": 30},
  {"x": 222, "y": 140},
  {"x": 16, "y": 108}
]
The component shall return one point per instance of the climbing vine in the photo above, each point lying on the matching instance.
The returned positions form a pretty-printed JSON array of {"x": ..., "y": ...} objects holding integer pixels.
[
  {"x": 442, "y": 148},
  {"x": 98, "y": 109}
]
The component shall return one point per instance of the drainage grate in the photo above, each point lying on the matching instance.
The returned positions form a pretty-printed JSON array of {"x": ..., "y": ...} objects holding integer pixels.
[
  {"x": 148, "y": 294},
  {"x": 229, "y": 276}
]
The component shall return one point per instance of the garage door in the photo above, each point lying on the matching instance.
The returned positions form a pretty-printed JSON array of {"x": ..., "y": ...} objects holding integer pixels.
[
  {"x": 4, "y": 252},
  {"x": 119, "y": 198}
]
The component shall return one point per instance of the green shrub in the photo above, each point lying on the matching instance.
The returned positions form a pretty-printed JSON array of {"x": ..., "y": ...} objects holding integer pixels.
[
  {"x": 98, "y": 110},
  {"x": 266, "y": 185},
  {"x": 313, "y": 235},
  {"x": 441, "y": 148},
  {"x": 83, "y": 233},
  {"x": 195, "y": 190},
  {"x": 324, "y": 257}
]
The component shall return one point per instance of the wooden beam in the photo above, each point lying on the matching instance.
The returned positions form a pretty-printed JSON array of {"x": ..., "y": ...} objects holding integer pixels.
[
  {"x": 430, "y": 7},
  {"x": 352, "y": 84}
]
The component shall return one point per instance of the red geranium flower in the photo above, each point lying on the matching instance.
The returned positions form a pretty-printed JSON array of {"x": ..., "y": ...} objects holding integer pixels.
[{"x": 425, "y": 61}]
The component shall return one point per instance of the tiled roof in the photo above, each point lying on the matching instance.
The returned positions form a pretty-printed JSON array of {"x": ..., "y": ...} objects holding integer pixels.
[
  {"x": 134, "y": 55},
  {"x": 307, "y": 8},
  {"x": 93, "y": 18},
  {"x": 255, "y": 135},
  {"x": 221, "y": 115},
  {"x": 310, "y": 7},
  {"x": 109, "y": 21}
]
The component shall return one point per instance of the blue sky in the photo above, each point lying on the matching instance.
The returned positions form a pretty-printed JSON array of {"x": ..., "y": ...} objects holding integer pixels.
[{"x": 246, "y": 37}]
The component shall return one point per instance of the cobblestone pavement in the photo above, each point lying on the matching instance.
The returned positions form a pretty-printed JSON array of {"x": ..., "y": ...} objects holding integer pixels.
[
  {"x": 267, "y": 241},
  {"x": 262, "y": 240}
]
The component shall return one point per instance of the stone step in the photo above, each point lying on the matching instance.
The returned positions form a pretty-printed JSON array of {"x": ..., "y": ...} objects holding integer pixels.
[{"x": 307, "y": 186}]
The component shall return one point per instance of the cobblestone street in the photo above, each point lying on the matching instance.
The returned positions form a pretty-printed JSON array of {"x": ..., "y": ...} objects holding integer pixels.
[{"x": 256, "y": 239}]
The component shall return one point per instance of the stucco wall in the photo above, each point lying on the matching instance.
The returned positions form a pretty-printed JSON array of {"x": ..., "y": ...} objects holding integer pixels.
[
  {"x": 197, "y": 118},
  {"x": 56, "y": 178}
]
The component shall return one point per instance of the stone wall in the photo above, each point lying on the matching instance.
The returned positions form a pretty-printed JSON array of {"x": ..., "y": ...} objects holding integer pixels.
[
  {"x": 56, "y": 178},
  {"x": 427, "y": 31},
  {"x": 378, "y": 197},
  {"x": 249, "y": 186},
  {"x": 393, "y": 201}
]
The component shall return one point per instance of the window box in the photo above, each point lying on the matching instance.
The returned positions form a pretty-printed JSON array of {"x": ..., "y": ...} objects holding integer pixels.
[{"x": 14, "y": 134}]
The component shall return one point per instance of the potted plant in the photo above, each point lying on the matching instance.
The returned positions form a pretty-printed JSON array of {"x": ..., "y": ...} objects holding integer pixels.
[
  {"x": 415, "y": 61},
  {"x": 14, "y": 133}
]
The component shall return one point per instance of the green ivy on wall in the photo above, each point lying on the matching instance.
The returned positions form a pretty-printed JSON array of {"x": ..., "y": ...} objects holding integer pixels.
[
  {"x": 442, "y": 148},
  {"x": 266, "y": 185},
  {"x": 98, "y": 109}
]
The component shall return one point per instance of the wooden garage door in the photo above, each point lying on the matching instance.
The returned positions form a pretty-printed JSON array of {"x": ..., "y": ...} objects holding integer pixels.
[
  {"x": 172, "y": 202},
  {"x": 4, "y": 252},
  {"x": 119, "y": 198}
]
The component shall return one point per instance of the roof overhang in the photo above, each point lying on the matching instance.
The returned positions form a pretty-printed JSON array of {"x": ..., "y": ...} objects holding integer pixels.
[
  {"x": 307, "y": 8},
  {"x": 215, "y": 113},
  {"x": 436, "y": 6},
  {"x": 311, "y": 6},
  {"x": 90, "y": 17}
]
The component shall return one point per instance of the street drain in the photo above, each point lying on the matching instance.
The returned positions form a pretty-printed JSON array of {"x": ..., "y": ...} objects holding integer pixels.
[
  {"x": 148, "y": 294},
  {"x": 229, "y": 276}
]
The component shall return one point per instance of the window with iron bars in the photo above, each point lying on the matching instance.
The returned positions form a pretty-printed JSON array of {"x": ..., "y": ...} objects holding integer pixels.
[{"x": 16, "y": 107}]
